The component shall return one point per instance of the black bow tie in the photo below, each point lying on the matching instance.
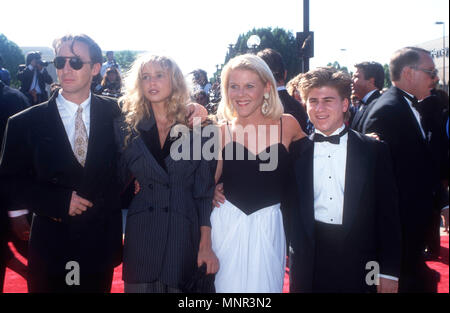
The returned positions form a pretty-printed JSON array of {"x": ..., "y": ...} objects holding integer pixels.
[
  {"x": 335, "y": 139},
  {"x": 414, "y": 102}
]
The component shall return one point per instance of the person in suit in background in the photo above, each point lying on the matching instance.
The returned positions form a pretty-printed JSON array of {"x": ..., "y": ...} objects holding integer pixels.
[
  {"x": 59, "y": 160},
  {"x": 168, "y": 231},
  {"x": 33, "y": 78},
  {"x": 396, "y": 120},
  {"x": 368, "y": 80},
  {"x": 12, "y": 101},
  {"x": 346, "y": 217},
  {"x": 291, "y": 106}
]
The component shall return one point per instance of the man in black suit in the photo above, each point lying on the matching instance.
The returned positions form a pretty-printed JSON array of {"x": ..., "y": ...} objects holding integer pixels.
[
  {"x": 59, "y": 159},
  {"x": 291, "y": 106},
  {"x": 367, "y": 82},
  {"x": 12, "y": 101},
  {"x": 344, "y": 229},
  {"x": 33, "y": 78},
  {"x": 397, "y": 121}
]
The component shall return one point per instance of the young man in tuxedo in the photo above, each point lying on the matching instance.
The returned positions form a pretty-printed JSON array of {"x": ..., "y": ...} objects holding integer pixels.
[
  {"x": 59, "y": 160},
  {"x": 367, "y": 82},
  {"x": 344, "y": 230},
  {"x": 397, "y": 120}
]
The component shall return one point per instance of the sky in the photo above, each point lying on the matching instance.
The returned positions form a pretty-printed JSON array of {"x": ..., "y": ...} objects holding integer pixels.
[{"x": 196, "y": 33}]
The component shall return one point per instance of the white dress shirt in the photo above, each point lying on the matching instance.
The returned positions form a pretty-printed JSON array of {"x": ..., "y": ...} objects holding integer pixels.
[
  {"x": 329, "y": 179},
  {"x": 416, "y": 113},
  {"x": 68, "y": 111}
]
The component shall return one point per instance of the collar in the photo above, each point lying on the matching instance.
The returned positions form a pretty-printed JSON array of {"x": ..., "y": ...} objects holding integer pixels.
[
  {"x": 367, "y": 96},
  {"x": 336, "y": 132},
  {"x": 71, "y": 106},
  {"x": 281, "y": 88}
]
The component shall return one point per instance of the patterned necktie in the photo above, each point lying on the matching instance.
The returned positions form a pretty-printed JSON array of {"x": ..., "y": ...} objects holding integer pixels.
[{"x": 81, "y": 138}]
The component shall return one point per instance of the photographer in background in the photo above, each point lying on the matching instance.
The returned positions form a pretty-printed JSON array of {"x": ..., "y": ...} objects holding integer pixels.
[
  {"x": 33, "y": 78},
  {"x": 110, "y": 62}
]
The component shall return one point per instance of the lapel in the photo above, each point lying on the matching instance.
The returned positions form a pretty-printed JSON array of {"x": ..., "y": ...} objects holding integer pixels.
[
  {"x": 145, "y": 125},
  {"x": 305, "y": 186},
  {"x": 408, "y": 114},
  {"x": 355, "y": 173},
  {"x": 55, "y": 132}
]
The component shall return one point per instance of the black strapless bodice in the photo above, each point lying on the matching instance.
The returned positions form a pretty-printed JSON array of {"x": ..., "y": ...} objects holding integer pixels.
[{"x": 246, "y": 185}]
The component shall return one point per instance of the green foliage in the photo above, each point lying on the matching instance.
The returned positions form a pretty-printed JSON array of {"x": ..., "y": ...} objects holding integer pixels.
[
  {"x": 12, "y": 58},
  {"x": 278, "y": 39},
  {"x": 387, "y": 77},
  {"x": 125, "y": 58}
]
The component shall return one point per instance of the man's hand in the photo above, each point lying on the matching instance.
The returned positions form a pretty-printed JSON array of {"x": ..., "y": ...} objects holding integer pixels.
[
  {"x": 219, "y": 197},
  {"x": 196, "y": 111},
  {"x": 387, "y": 286},
  {"x": 374, "y": 135},
  {"x": 137, "y": 187},
  {"x": 20, "y": 227},
  {"x": 444, "y": 215},
  {"x": 78, "y": 205}
]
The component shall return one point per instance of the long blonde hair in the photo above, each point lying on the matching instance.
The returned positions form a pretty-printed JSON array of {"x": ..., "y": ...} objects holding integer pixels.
[
  {"x": 136, "y": 107},
  {"x": 257, "y": 65}
]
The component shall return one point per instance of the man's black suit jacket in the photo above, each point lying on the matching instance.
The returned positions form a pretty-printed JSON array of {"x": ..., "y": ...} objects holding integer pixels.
[
  {"x": 393, "y": 120},
  {"x": 26, "y": 79},
  {"x": 371, "y": 218},
  {"x": 41, "y": 170},
  {"x": 361, "y": 115},
  {"x": 293, "y": 107}
]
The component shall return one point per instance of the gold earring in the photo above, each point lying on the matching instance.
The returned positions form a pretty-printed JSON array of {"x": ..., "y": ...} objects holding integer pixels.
[{"x": 265, "y": 106}]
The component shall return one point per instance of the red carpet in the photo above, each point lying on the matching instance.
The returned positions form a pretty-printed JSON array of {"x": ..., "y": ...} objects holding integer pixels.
[{"x": 15, "y": 283}]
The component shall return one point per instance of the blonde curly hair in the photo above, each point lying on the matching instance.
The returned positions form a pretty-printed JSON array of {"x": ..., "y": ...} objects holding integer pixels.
[{"x": 136, "y": 107}]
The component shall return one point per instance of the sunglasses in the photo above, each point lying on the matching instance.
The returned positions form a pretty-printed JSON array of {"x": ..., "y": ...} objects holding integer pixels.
[
  {"x": 75, "y": 62},
  {"x": 431, "y": 73}
]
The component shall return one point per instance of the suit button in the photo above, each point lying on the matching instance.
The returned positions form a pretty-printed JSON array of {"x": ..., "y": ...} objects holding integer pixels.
[{"x": 150, "y": 186}]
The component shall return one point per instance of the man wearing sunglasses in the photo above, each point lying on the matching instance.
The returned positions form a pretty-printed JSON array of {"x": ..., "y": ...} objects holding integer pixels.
[
  {"x": 396, "y": 118},
  {"x": 59, "y": 160}
]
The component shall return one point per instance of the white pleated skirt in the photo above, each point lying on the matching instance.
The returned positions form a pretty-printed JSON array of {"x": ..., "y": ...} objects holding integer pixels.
[{"x": 251, "y": 249}]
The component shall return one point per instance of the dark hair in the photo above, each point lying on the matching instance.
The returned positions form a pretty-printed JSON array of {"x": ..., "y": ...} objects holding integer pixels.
[
  {"x": 95, "y": 53},
  {"x": 32, "y": 55},
  {"x": 409, "y": 56},
  {"x": 275, "y": 63},
  {"x": 372, "y": 70}
]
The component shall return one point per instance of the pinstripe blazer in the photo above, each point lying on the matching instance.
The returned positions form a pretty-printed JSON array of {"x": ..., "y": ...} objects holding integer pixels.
[{"x": 163, "y": 223}]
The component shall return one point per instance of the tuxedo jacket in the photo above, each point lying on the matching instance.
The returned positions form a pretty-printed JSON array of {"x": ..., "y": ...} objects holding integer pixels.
[
  {"x": 370, "y": 214},
  {"x": 162, "y": 234},
  {"x": 42, "y": 172},
  {"x": 293, "y": 107},
  {"x": 393, "y": 120},
  {"x": 361, "y": 115}
]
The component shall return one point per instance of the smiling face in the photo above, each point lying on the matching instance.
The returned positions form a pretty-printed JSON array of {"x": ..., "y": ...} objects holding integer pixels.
[
  {"x": 246, "y": 92},
  {"x": 155, "y": 83},
  {"x": 326, "y": 109}
]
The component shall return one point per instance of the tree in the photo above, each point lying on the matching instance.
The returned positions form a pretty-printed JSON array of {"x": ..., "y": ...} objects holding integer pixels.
[
  {"x": 278, "y": 39},
  {"x": 337, "y": 66},
  {"x": 125, "y": 58},
  {"x": 387, "y": 77},
  {"x": 12, "y": 58}
]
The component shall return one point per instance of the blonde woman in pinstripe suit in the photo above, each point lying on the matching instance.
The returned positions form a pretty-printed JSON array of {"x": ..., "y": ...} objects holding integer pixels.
[{"x": 168, "y": 233}]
